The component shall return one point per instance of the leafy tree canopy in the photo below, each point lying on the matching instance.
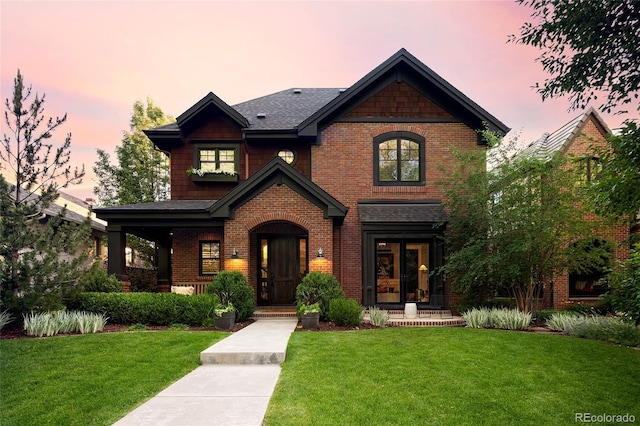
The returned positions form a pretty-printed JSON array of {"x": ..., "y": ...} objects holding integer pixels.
[{"x": 587, "y": 47}]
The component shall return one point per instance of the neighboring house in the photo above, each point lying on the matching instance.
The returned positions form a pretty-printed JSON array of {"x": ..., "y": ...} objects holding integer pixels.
[
  {"x": 575, "y": 139},
  {"x": 343, "y": 181},
  {"x": 76, "y": 211}
]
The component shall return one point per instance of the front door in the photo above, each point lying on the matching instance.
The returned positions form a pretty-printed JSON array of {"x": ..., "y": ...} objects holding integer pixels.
[
  {"x": 283, "y": 268},
  {"x": 283, "y": 263}
]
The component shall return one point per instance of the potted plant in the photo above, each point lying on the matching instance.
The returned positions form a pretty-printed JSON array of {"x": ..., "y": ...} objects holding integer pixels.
[
  {"x": 310, "y": 316},
  {"x": 225, "y": 317}
]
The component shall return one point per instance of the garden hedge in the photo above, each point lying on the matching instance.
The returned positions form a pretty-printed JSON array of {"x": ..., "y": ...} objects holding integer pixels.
[{"x": 149, "y": 308}]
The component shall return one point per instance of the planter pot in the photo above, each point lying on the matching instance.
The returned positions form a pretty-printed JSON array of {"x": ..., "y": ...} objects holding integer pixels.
[
  {"x": 310, "y": 321},
  {"x": 226, "y": 321}
]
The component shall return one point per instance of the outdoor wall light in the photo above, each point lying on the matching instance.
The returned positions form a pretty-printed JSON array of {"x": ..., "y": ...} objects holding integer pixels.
[
  {"x": 234, "y": 254},
  {"x": 320, "y": 252}
]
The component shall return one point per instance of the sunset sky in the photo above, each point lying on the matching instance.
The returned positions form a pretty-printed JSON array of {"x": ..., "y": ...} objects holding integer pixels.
[{"x": 94, "y": 59}]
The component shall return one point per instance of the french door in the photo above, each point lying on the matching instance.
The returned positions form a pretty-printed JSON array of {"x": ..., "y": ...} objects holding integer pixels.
[{"x": 402, "y": 271}]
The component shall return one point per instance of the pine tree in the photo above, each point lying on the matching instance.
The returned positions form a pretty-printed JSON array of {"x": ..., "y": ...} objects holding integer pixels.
[{"x": 40, "y": 254}]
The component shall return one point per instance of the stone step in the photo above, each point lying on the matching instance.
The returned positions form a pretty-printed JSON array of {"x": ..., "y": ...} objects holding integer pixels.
[{"x": 263, "y": 342}]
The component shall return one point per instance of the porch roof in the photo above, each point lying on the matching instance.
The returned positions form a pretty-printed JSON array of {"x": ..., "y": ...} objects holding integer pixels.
[{"x": 399, "y": 211}]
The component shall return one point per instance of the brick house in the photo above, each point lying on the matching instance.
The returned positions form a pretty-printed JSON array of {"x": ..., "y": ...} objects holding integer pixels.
[
  {"x": 575, "y": 139},
  {"x": 336, "y": 180}
]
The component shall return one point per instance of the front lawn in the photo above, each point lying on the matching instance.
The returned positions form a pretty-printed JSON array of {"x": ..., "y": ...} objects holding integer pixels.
[
  {"x": 92, "y": 379},
  {"x": 451, "y": 376}
]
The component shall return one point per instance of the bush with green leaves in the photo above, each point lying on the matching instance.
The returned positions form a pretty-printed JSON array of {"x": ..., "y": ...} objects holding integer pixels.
[
  {"x": 231, "y": 287},
  {"x": 345, "y": 312},
  {"x": 319, "y": 287},
  {"x": 96, "y": 279},
  {"x": 378, "y": 317},
  {"x": 625, "y": 281},
  {"x": 543, "y": 315},
  {"x": 149, "y": 308}
]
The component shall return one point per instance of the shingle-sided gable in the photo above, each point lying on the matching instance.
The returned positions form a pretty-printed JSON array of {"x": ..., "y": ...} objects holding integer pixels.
[
  {"x": 558, "y": 141},
  {"x": 403, "y": 68}
]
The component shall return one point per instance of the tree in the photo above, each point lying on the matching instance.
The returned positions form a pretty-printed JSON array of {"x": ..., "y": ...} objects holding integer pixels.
[
  {"x": 40, "y": 255},
  {"x": 509, "y": 229},
  {"x": 590, "y": 47},
  {"x": 587, "y": 47},
  {"x": 141, "y": 174}
]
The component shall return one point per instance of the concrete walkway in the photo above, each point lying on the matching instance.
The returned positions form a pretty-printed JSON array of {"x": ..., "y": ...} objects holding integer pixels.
[{"x": 231, "y": 387}]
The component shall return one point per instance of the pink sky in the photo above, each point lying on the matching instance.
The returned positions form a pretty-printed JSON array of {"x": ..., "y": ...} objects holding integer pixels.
[{"x": 95, "y": 59}]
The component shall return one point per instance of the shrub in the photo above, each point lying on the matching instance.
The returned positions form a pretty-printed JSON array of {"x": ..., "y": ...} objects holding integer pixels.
[
  {"x": 52, "y": 323},
  {"x": 608, "y": 329},
  {"x": 477, "y": 318},
  {"x": 231, "y": 287},
  {"x": 564, "y": 321},
  {"x": 5, "y": 318},
  {"x": 543, "y": 315},
  {"x": 625, "y": 281},
  {"x": 149, "y": 308},
  {"x": 321, "y": 288},
  {"x": 96, "y": 279},
  {"x": 379, "y": 317},
  {"x": 345, "y": 312},
  {"x": 509, "y": 319}
]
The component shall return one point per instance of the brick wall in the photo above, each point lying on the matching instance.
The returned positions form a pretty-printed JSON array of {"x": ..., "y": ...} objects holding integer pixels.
[
  {"x": 343, "y": 166},
  {"x": 279, "y": 203},
  {"x": 185, "y": 259},
  {"x": 591, "y": 134}
]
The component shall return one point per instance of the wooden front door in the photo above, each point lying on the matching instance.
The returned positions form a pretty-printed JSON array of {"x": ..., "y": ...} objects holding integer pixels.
[{"x": 284, "y": 267}]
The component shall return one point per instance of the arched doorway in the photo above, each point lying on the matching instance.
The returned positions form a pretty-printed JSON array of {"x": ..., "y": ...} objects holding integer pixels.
[{"x": 282, "y": 261}]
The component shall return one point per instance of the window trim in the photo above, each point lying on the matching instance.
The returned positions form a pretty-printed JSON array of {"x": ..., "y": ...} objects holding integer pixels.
[
  {"x": 201, "y": 258},
  {"x": 397, "y": 135},
  {"x": 217, "y": 146}
]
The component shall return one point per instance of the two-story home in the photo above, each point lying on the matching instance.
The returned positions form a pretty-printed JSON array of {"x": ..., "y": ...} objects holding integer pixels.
[
  {"x": 337, "y": 180},
  {"x": 576, "y": 139}
]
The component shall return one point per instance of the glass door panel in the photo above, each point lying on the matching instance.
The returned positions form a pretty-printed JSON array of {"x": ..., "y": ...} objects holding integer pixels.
[{"x": 402, "y": 271}]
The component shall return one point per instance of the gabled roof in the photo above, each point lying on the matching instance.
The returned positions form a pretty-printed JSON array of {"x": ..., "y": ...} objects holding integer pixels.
[
  {"x": 550, "y": 143},
  {"x": 208, "y": 101},
  {"x": 303, "y": 112},
  {"x": 277, "y": 171},
  {"x": 404, "y": 67}
]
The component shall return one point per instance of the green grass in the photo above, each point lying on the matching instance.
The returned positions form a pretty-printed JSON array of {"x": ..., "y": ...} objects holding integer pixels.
[
  {"x": 451, "y": 376},
  {"x": 91, "y": 379}
]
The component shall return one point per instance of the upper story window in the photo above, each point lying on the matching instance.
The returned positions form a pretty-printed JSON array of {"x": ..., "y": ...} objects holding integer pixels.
[
  {"x": 287, "y": 155},
  {"x": 588, "y": 169},
  {"x": 215, "y": 162},
  {"x": 399, "y": 159}
]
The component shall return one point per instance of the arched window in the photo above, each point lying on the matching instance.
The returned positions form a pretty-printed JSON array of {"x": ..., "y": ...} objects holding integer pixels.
[{"x": 399, "y": 159}]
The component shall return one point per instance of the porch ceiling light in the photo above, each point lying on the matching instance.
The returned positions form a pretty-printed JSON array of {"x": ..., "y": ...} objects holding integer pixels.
[
  {"x": 320, "y": 252},
  {"x": 234, "y": 254}
]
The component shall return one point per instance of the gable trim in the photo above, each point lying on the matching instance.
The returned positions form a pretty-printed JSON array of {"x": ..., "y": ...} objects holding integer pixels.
[
  {"x": 278, "y": 172},
  {"x": 398, "y": 68},
  {"x": 212, "y": 99}
]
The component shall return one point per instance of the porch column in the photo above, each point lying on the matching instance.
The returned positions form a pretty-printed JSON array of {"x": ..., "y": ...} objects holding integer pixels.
[
  {"x": 163, "y": 263},
  {"x": 117, "y": 241}
]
